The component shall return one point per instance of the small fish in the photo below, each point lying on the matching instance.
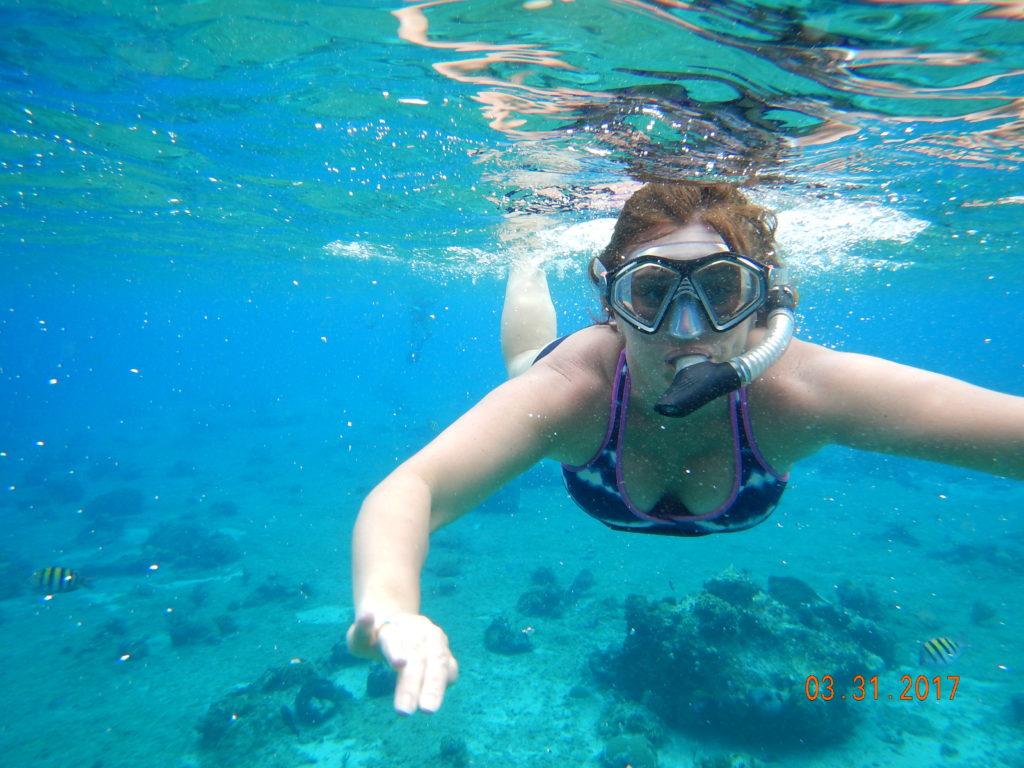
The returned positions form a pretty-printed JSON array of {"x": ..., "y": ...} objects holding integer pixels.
[
  {"x": 52, "y": 580},
  {"x": 939, "y": 651}
]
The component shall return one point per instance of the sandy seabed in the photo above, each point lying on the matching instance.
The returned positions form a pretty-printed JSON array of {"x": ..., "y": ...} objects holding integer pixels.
[{"x": 69, "y": 700}]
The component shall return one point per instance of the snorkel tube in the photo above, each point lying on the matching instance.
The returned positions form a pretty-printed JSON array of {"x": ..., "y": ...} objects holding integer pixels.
[{"x": 698, "y": 381}]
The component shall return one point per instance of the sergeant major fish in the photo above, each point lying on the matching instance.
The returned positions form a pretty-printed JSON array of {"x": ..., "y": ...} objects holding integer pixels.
[
  {"x": 939, "y": 651},
  {"x": 54, "y": 580}
]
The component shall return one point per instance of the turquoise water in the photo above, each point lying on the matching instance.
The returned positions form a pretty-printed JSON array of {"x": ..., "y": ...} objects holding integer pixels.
[{"x": 253, "y": 255}]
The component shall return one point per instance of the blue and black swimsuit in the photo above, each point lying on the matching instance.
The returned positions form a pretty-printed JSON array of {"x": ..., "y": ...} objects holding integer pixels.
[{"x": 598, "y": 489}]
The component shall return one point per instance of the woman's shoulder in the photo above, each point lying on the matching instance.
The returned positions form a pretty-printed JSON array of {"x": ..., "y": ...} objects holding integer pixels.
[
  {"x": 791, "y": 385},
  {"x": 794, "y": 401},
  {"x": 586, "y": 357},
  {"x": 570, "y": 389},
  {"x": 595, "y": 338}
]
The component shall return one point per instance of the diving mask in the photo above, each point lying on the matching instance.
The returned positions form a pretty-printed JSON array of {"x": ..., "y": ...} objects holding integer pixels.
[{"x": 727, "y": 286}]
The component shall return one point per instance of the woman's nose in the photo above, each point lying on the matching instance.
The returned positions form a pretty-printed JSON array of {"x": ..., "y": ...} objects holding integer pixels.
[{"x": 687, "y": 319}]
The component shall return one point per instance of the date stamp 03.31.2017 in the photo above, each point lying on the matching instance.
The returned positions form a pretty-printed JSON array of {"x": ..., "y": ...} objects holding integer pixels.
[{"x": 860, "y": 688}]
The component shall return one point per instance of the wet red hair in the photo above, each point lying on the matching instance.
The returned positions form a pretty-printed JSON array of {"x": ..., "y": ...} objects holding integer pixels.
[{"x": 657, "y": 208}]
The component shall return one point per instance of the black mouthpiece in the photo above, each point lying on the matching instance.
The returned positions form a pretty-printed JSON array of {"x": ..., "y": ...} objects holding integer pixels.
[{"x": 695, "y": 386}]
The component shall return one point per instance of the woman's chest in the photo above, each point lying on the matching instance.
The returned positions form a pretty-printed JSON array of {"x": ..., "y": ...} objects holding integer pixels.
[{"x": 696, "y": 467}]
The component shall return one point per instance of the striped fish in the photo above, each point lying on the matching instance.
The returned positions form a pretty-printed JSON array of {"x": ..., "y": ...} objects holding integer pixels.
[
  {"x": 939, "y": 651},
  {"x": 52, "y": 580}
]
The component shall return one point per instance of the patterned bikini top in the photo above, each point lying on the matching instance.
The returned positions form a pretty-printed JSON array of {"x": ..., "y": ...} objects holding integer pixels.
[{"x": 597, "y": 485}]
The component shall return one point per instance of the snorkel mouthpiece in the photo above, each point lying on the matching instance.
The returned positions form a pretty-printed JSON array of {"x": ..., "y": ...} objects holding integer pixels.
[
  {"x": 698, "y": 381},
  {"x": 696, "y": 384}
]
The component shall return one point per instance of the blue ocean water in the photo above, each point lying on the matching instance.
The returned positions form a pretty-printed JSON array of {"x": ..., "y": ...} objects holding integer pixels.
[{"x": 253, "y": 256}]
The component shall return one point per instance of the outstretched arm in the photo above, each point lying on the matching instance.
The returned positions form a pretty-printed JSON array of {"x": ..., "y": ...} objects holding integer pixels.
[
  {"x": 389, "y": 545},
  {"x": 509, "y": 430},
  {"x": 878, "y": 405}
]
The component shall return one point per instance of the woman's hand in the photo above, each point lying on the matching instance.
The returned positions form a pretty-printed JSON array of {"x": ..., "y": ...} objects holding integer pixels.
[{"x": 414, "y": 647}]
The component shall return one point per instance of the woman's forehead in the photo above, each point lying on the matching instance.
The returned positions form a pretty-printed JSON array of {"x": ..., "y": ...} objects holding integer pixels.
[
  {"x": 696, "y": 231},
  {"x": 687, "y": 240}
]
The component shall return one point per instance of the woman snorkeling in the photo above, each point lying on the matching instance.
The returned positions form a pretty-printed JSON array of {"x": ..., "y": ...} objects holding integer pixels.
[{"x": 681, "y": 415}]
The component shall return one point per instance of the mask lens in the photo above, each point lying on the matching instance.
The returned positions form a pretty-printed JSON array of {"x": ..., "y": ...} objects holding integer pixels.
[
  {"x": 643, "y": 293},
  {"x": 729, "y": 290}
]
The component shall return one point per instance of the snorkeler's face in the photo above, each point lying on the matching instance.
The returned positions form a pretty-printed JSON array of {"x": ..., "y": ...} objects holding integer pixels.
[
  {"x": 685, "y": 327},
  {"x": 686, "y": 285}
]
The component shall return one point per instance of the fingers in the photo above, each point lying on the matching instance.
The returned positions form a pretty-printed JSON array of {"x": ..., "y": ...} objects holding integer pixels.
[
  {"x": 424, "y": 678},
  {"x": 391, "y": 644},
  {"x": 437, "y": 676},
  {"x": 407, "y": 690},
  {"x": 417, "y": 649},
  {"x": 361, "y": 637}
]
